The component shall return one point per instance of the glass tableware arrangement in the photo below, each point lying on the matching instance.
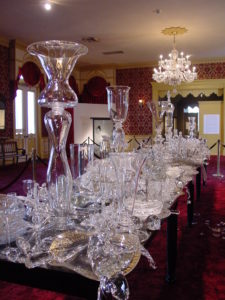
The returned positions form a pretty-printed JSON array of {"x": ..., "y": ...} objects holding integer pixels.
[{"x": 94, "y": 220}]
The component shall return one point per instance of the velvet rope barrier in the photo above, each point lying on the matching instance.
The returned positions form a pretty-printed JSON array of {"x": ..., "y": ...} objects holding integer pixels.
[
  {"x": 89, "y": 139},
  {"x": 130, "y": 141},
  {"x": 213, "y": 145},
  {"x": 17, "y": 177},
  {"x": 137, "y": 141},
  {"x": 41, "y": 160}
]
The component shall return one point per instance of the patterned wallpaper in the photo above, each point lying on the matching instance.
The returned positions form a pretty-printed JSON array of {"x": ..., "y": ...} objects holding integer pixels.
[
  {"x": 211, "y": 71},
  {"x": 5, "y": 91},
  {"x": 139, "y": 120}
]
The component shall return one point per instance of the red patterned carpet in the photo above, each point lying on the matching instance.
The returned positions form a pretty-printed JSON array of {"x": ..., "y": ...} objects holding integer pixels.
[{"x": 201, "y": 253}]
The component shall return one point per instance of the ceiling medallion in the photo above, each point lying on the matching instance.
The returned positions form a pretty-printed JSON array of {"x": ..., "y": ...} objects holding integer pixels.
[{"x": 175, "y": 69}]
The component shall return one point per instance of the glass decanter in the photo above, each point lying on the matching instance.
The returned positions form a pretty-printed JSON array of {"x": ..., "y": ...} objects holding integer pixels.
[
  {"x": 118, "y": 97},
  {"x": 58, "y": 59}
]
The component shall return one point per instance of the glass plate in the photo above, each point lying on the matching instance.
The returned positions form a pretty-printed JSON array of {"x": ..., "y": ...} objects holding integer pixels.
[{"x": 79, "y": 263}]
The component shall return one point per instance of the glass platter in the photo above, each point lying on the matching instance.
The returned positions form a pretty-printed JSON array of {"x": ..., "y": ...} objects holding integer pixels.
[{"x": 79, "y": 262}]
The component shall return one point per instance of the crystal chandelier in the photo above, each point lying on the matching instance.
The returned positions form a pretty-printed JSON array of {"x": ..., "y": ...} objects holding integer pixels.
[{"x": 176, "y": 68}]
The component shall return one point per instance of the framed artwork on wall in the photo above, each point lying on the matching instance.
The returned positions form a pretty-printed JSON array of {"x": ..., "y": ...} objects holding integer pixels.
[{"x": 102, "y": 127}]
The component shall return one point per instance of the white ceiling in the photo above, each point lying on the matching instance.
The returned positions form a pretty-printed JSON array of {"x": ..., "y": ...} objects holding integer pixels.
[{"x": 127, "y": 25}]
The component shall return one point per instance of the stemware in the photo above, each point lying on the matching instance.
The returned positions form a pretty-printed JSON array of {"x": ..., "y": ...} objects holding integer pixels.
[
  {"x": 58, "y": 59},
  {"x": 118, "y": 97}
]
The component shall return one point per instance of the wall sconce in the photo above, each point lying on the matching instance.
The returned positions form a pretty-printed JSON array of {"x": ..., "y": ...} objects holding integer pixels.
[
  {"x": 99, "y": 129},
  {"x": 141, "y": 102}
]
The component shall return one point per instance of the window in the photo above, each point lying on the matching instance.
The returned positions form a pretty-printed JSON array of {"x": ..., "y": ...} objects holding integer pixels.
[
  {"x": 193, "y": 111},
  {"x": 190, "y": 110},
  {"x": 25, "y": 111}
]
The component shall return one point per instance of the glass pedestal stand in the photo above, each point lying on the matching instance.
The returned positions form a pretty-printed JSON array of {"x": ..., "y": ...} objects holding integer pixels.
[
  {"x": 58, "y": 59},
  {"x": 59, "y": 178}
]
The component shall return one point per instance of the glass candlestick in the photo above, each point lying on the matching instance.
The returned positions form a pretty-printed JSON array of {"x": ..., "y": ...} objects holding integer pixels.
[
  {"x": 58, "y": 59},
  {"x": 169, "y": 116},
  {"x": 118, "y": 97}
]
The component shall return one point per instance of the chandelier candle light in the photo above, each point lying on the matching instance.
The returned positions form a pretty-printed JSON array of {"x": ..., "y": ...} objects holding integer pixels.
[{"x": 175, "y": 69}]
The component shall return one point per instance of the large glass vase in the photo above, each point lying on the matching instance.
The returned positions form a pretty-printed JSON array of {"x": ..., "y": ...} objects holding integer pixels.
[
  {"x": 58, "y": 59},
  {"x": 158, "y": 109},
  {"x": 118, "y": 97}
]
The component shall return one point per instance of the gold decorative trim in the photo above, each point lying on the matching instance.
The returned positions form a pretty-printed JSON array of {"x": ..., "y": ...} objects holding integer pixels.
[
  {"x": 174, "y": 30},
  {"x": 66, "y": 239}
]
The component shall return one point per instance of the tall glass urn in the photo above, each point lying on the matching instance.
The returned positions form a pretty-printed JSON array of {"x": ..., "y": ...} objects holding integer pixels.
[{"x": 58, "y": 59}]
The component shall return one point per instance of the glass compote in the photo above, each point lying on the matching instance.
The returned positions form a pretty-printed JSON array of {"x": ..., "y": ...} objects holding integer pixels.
[
  {"x": 58, "y": 59},
  {"x": 118, "y": 97}
]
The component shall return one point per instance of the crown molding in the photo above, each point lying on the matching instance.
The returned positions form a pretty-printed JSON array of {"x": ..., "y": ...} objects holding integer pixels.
[
  {"x": 149, "y": 64},
  {"x": 116, "y": 66},
  {"x": 209, "y": 60},
  {"x": 4, "y": 41},
  {"x": 21, "y": 45}
]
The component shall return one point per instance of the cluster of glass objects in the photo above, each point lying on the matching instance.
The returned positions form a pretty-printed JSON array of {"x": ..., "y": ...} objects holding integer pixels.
[{"x": 96, "y": 219}]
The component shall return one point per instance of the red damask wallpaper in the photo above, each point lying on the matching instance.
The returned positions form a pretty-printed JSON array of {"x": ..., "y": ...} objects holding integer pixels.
[
  {"x": 5, "y": 91},
  {"x": 139, "y": 120}
]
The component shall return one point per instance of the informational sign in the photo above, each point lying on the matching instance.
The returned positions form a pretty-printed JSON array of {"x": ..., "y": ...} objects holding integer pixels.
[{"x": 211, "y": 124}]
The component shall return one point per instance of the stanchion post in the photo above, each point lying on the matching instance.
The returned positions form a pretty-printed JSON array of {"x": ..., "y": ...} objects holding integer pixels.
[
  {"x": 218, "y": 161},
  {"x": 34, "y": 163}
]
